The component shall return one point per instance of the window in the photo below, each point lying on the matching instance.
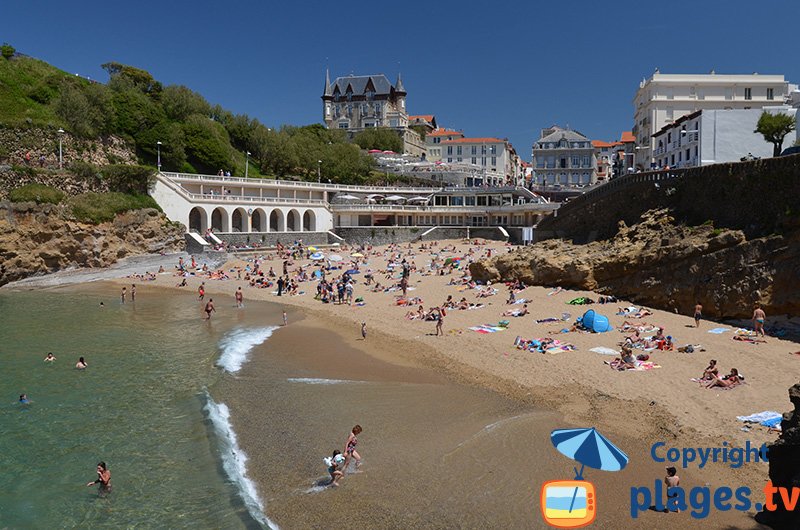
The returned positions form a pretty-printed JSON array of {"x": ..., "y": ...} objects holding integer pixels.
[
  {"x": 587, "y": 161},
  {"x": 482, "y": 200},
  {"x": 483, "y": 160},
  {"x": 770, "y": 93},
  {"x": 670, "y": 94},
  {"x": 343, "y": 125},
  {"x": 440, "y": 200},
  {"x": 456, "y": 201},
  {"x": 670, "y": 113},
  {"x": 474, "y": 150},
  {"x": 728, "y": 93},
  {"x": 469, "y": 201},
  {"x": 701, "y": 94},
  {"x": 688, "y": 156},
  {"x": 474, "y": 159},
  {"x": 696, "y": 151},
  {"x": 494, "y": 161},
  {"x": 587, "y": 178},
  {"x": 449, "y": 149},
  {"x": 576, "y": 177},
  {"x": 563, "y": 178},
  {"x": 459, "y": 159},
  {"x": 458, "y": 150},
  {"x": 449, "y": 159},
  {"x": 576, "y": 161},
  {"x": 748, "y": 93}
]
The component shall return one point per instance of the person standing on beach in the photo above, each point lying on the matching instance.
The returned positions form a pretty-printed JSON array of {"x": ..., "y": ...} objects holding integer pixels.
[
  {"x": 201, "y": 291},
  {"x": 239, "y": 298},
  {"x": 698, "y": 314},
  {"x": 440, "y": 313},
  {"x": 133, "y": 292},
  {"x": 103, "y": 478},
  {"x": 759, "y": 317},
  {"x": 280, "y": 285},
  {"x": 210, "y": 308},
  {"x": 124, "y": 292},
  {"x": 350, "y": 448},
  {"x": 364, "y": 331},
  {"x": 285, "y": 318}
]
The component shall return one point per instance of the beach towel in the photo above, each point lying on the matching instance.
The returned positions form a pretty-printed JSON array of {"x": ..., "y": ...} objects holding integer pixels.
[
  {"x": 487, "y": 328},
  {"x": 582, "y": 300},
  {"x": 604, "y": 351},
  {"x": 761, "y": 417},
  {"x": 521, "y": 301},
  {"x": 718, "y": 331},
  {"x": 555, "y": 291},
  {"x": 546, "y": 320}
]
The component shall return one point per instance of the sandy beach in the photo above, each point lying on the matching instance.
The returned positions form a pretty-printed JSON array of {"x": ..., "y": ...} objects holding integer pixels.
[{"x": 569, "y": 388}]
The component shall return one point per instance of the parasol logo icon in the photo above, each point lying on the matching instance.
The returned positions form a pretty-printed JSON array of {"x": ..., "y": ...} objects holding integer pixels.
[{"x": 573, "y": 503}]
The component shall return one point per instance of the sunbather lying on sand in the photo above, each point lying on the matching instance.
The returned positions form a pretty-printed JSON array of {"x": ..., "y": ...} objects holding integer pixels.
[
  {"x": 729, "y": 381},
  {"x": 516, "y": 312}
]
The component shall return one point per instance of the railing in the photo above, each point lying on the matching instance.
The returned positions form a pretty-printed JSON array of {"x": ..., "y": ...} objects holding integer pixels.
[
  {"x": 322, "y": 186},
  {"x": 248, "y": 198},
  {"x": 443, "y": 209}
]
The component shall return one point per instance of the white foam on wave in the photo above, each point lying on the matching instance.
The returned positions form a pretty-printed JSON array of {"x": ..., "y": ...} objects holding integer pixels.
[
  {"x": 318, "y": 381},
  {"x": 237, "y": 344},
  {"x": 234, "y": 460}
]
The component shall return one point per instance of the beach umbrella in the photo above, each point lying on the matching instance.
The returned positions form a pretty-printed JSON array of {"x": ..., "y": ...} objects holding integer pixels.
[
  {"x": 312, "y": 249},
  {"x": 317, "y": 256},
  {"x": 348, "y": 197},
  {"x": 590, "y": 448},
  {"x": 395, "y": 198},
  {"x": 335, "y": 257},
  {"x": 356, "y": 255},
  {"x": 374, "y": 151}
]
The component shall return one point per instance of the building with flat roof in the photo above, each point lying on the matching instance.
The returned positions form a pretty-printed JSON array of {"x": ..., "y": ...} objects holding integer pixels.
[
  {"x": 664, "y": 98},
  {"x": 434, "y": 139},
  {"x": 714, "y": 136},
  {"x": 494, "y": 156}
]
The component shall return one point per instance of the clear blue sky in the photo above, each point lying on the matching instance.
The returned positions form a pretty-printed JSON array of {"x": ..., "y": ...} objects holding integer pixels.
[{"x": 496, "y": 68}]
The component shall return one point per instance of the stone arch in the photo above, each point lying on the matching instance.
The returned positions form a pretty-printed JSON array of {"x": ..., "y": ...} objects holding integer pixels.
[
  {"x": 258, "y": 221},
  {"x": 198, "y": 220},
  {"x": 239, "y": 220},
  {"x": 220, "y": 220},
  {"x": 309, "y": 221},
  {"x": 293, "y": 221},
  {"x": 276, "y": 221}
]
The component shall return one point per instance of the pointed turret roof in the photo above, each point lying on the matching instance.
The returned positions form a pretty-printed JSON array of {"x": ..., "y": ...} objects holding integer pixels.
[
  {"x": 327, "y": 92},
  {"x": 398, "y": 87}
]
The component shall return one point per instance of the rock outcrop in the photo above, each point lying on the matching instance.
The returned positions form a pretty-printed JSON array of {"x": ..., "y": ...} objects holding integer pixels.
[
  {"x": 38, "y": 239},
  {"x": 784, "y": 466},
  {"x": 661, "y": 264}
]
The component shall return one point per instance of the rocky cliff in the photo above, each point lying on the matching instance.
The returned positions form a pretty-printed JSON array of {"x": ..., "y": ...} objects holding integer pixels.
[
  {"x": 37, "y": 239},
  {"x": 784, "y": 466},
  {"x": 660, "y": 263}
]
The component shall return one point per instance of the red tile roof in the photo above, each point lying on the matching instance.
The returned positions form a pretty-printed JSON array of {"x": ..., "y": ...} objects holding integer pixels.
[
  {"x": 424, "y": 117},
  {"x": 474, "y": 141},
  {"x": 627, "y": 136},
  {"x": 600, "y": 144},
  {"x": 445, "y": 132}
]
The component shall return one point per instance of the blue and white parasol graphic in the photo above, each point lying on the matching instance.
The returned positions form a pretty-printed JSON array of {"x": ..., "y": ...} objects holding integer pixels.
[
  {"x": 316, "y": 256},
  {"x": 590, "y": 448}
]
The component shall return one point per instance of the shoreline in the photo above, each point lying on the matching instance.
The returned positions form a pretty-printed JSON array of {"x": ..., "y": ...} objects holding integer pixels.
[{"x": 578, "y": 399}]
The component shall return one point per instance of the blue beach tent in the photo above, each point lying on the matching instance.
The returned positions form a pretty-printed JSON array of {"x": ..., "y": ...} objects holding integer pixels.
[{"x": 594, "y": 322}]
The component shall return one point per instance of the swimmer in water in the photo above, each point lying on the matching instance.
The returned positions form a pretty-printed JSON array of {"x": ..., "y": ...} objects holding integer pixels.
[
  {"x": 285, "y": 319},
  {"x": 239, "y": 298},
  {"x": 23, "y": 399},
  {"x": 210, "y": 308},
  {"x": 50, "y": 357},
  {"x": 103, "y": 478},
  {"x": 124, "y": 292},
  {"x": 81, "y": 364}
]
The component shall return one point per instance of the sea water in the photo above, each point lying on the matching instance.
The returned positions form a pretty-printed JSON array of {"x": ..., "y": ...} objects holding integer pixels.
[{"x": 145, "y": 406}]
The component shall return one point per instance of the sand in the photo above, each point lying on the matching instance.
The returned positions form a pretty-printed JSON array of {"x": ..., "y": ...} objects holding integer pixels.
[{"x": 637, "y": 407}]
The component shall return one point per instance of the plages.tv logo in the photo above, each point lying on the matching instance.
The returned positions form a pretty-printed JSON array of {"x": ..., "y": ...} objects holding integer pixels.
[{"x": 573, "y": 503}]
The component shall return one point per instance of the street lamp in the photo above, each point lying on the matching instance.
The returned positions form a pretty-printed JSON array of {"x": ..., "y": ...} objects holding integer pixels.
[
  {"x": 60, "y": 152},
  {"x": 246, "y": 163},
  {"x": 158, "y": 147},
  {"x": 319, "y": 171}
]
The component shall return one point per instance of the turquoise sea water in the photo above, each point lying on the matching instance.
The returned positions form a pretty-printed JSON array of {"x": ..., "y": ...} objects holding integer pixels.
[{"x": 139, "y": 407}]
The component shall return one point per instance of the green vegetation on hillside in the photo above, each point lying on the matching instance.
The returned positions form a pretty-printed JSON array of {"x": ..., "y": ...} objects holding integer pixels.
[
  {"x": 38, "y": 193},
  {"x": 101, "y": 207},
  {"x": 195, "y": 135},
  {"x": 379, "y": 138}
]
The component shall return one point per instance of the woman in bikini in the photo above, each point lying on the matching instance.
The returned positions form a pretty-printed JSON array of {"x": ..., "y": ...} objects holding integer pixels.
[
  {"x": 729, "y": 381},
  {"x": 350, "y": 448},
  {"x": 103, "y": 478}
]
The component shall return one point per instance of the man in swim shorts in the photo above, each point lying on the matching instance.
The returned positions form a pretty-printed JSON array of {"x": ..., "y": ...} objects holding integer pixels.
[
  {"x": 698, "y": 314},
  {"x": 209, "y": 308},
  {"x": 759, "y": 317}
]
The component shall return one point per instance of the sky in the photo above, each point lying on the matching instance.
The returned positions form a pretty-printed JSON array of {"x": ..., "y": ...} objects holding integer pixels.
[{"x": 499, "y": 68}]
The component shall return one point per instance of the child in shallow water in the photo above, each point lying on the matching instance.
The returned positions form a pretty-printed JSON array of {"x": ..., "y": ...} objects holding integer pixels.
[{"x": 334, "y": 464}]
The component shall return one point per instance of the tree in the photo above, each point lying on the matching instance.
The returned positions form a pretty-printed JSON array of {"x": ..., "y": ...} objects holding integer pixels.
[
  {"x": 180, "y": 102},
  {"x": 774, "y": 128},
  {"x": 7, "y": 51},
  {"x": 379, "y": 138},
  {"x": 141, "y": 79},
  {"x": 85, "y": 109}
]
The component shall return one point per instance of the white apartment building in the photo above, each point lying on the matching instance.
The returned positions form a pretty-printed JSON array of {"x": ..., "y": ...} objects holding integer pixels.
[
  {"x": 709, "y": 137},
  {"x": 492, "y": 155},
  {"x": 664, "y": 98},
  {"x": 433, "y": 142}
]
